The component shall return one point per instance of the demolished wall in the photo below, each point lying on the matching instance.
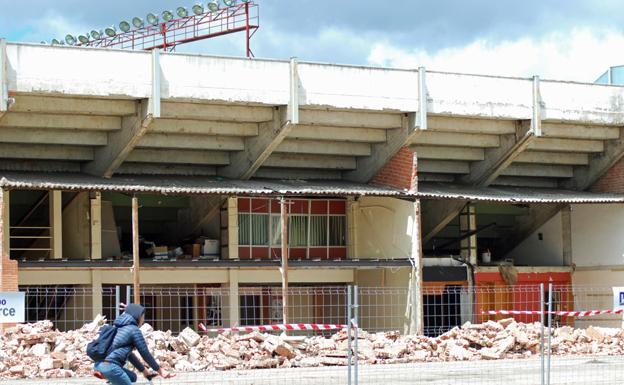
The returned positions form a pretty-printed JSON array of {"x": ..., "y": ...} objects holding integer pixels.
[{"x": 39, "y": 351}]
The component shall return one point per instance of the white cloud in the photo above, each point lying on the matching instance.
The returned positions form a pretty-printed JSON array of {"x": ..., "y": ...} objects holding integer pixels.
[{"x": 580, "y": 54}]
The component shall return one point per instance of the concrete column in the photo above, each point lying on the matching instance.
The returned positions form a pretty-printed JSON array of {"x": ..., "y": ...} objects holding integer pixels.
[
  {"x": 233, "y": 300},
  {"x": 8, "y": 268},
  {"x": 96, "y": 287},
  {"x": 468, "y": 223},
  {"x": 352, "y": 220},
  {"x": 232, "y": 212},
  {"x": 566, "y": 233},
  {"x": 96, "y": 226},
  {"x": 56, "y": 223},
  {"x": 415, "y": 296}
]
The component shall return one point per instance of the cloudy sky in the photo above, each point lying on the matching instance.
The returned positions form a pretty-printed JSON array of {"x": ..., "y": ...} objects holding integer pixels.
[{"x": 574, "y": 39}]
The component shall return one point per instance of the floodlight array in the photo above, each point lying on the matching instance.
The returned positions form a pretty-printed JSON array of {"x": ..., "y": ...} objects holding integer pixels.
[{"x": 151, "y": 19}]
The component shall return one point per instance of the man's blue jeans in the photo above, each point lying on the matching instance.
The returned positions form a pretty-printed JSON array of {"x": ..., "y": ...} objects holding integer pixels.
[{"x": 115, "y": 374}]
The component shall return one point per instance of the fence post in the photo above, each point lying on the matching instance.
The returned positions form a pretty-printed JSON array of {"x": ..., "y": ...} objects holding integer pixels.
[
  {"x": 117, "y": 300},
  {"x": 356, "y": 327},
  {"x": 349, "y": 352},
  {"x": 550, "y": 297},
  {"x": 542, "y": 336}
]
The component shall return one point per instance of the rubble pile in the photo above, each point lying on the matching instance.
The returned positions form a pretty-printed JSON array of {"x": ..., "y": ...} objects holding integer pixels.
[{"x": 39, "y": 351}]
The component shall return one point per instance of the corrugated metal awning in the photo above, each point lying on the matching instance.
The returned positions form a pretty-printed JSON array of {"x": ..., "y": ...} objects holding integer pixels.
[
  {"x": 513, "y": 194},
  {"x": 192, "y": 185}
]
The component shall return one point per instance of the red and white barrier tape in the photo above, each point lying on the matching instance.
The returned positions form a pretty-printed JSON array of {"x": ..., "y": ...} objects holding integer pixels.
[
  {"x": 271, "y": 328},
  {"x": 590, "y": 313}
]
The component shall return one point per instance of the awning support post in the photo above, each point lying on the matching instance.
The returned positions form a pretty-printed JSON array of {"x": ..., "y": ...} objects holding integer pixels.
[
  {"x": 284, "y": 269},
  {"x": 135, "y": 250}
]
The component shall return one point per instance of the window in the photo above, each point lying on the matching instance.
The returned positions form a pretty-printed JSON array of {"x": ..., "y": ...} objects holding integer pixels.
[{"x": 317, "y": 228}]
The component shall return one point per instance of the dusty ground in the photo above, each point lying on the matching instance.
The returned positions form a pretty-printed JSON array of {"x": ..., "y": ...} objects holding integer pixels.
[{"x": 573, "y": 371}]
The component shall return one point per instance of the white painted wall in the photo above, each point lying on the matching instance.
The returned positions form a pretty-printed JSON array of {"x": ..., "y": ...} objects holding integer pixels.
[
  {"x": 598, "y": 235},
  {"x": 546, "y": 252},
  {"x": 597, "y": 239},
  {"x": 383, "y": 228},
  {"x": 36, "y": 68}
]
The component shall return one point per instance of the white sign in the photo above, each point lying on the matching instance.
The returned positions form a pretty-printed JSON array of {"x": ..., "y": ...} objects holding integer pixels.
[
  {"x": 618, "y": 298},
  {"x": 12, "y": 307}
]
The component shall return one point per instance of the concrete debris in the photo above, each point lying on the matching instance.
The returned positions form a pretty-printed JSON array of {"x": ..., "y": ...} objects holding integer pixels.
[{"x": 39, "y": 351}]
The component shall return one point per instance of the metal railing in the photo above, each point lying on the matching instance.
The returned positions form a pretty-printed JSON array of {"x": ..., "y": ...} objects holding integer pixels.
[{"x": 483, "y": 335}]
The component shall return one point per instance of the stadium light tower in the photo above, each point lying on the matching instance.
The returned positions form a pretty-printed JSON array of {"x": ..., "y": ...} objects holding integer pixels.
[{"x": 168, "y": 29}]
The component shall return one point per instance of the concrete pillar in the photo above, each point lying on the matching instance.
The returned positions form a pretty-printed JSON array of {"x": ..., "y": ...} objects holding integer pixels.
[
  {"x": 353, "y": 207},
  {"x": 96, "y": 288},
  {"x": 8, "y": 268},
  {"x": 566, "y": 233},
  {"x": 56, "y": 224},
  {"x": 96, "y": 226},
  {"x": 233, "y": 300},
  {"x": 415, "y": 293},
  {"x": 232, "y": 212},
  {"x": 468, "y": 223}
]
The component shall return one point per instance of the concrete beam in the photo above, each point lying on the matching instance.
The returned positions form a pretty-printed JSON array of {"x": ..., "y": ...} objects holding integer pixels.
[
  {"x": 73, "y": 106},
  {"x": 258, "y": 149},
  {"x": 293, "y": 173},
  {"x": 449, "y": 153},
  {"x": 4, "y": 79},
  {"x": 61, "y": 122},
  {"x": 204, "y": 127},
  {"x": 42, "y": 151},
  {"x": 161, "y": 169},
  {"x": 599, "y": 164},
  {"x": 451, "y": 139},
  {"x": 566, "y": 145},
  {"x": 297, "y": 146},
  {"x": 411, "y": 126},
  {"x": 350, "y": 134},
  {"x": 539, "y": 170},
  {"x": 216, "y": 112},
  {"x": 192, "y": 142},
  {"x": 580, "y": 131},
  {"x": 498, "y": 159},
  {"x": 350, "y": 119},
  {"x": 438, "y": 178},
  {"x": 472, "y": 126},
  {"x": 45, "y": 136},
  {"x": 179, "y": 157},
  {"x": 526, "y": 225},
  {"x": 525, "y": 182},
  {"x": 311, "y": 161},
  {"x": 39, "y": 166},
  {"x": 542, "y": 157},
  {"x": 443, "y": 166},
  {"x": 439, "y": 214},
  {"x": 121, "y": 143}
]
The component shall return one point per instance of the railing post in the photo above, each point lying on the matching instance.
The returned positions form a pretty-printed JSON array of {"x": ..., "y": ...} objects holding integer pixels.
[
  {"x": 542, "y": 371},
  {"x": 356, "y": 327},
  {"x": 349, "y": 352},
  {"x": 117, "y": 300},
  {"x": 550, "y": 297}
]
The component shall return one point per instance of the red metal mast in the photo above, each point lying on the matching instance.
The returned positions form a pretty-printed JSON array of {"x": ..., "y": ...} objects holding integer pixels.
[{"x": 168, "y": 35}]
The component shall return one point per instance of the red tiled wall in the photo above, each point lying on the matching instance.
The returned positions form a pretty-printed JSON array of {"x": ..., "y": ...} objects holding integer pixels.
[{"x": 399, "y": 172}]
